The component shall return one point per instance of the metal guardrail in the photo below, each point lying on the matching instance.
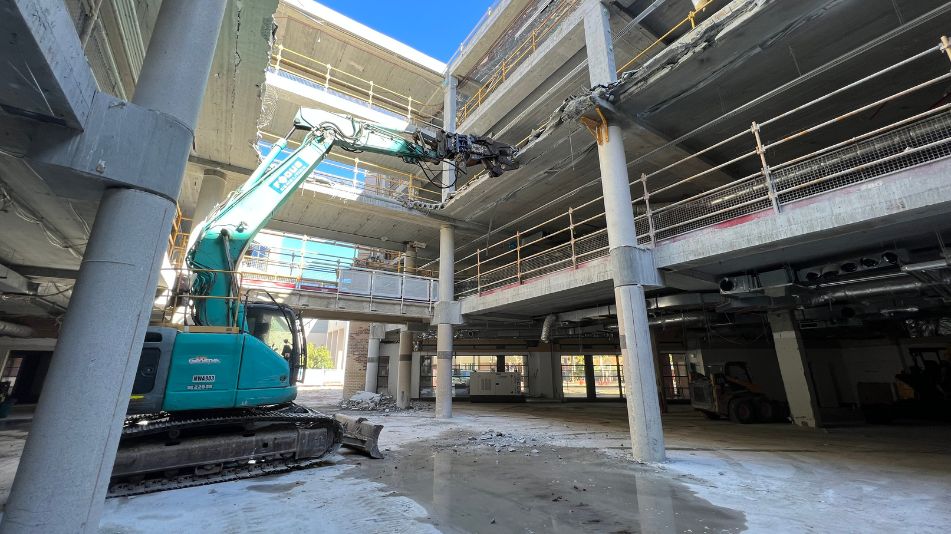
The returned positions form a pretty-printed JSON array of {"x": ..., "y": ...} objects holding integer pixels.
[
  {"x": 765, "y": 175},
  {"x": 318, "y": 73},
  {"x": 519, "y": 53},
  {"x": 528, "y": 46}
]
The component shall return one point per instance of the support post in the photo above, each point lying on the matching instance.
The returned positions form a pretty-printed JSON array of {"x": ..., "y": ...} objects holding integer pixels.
[
  {"x": 64, "y": 472},
  {"x": 373, "y": 356},
  {"x": 647, "y": 210},
  {"x": 409, "y": 259},
  {"x": 449, "y": 124},
  {"x": 767, "y": 175},
  {"x": 404, "y": 378},
  {"x": 640, "y": 385},
  {"x": 444, "y": 324},
  {"x": 800, "y": 391}
]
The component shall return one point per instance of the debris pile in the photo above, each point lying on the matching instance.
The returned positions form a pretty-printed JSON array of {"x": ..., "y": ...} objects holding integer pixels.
[
  {"x": 503, "y": 442},
  {"x": 367, "y": 402}
]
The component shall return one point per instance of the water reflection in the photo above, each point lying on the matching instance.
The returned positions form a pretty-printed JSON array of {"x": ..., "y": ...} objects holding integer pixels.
[{"x": 563, "y": 490}]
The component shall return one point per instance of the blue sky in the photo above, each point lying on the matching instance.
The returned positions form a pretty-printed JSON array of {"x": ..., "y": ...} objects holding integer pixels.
[{"x": 434, "y": 28}]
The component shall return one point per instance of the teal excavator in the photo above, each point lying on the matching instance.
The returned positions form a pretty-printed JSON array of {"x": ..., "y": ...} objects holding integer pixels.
[{"x": 213, "y": 400}]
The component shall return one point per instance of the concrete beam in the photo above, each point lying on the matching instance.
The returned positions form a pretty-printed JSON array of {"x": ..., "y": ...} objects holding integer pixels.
[
  {"x": 563, "y": 43},
  {"x": 12, "y": 281},
  {"x": 46, "y": 76},
  {"x": 913, "y": 193},
  {"x": 122, "y": 145}
]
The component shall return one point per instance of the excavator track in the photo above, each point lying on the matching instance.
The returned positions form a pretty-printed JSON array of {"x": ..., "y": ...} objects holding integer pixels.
[{"x": 171, "y": 451}]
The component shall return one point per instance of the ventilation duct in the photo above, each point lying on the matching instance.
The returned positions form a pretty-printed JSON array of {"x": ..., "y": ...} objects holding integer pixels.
[
  {"x": 859, "y": 292},
  {"x": 679, "y": 319},
  {"x": 546, "y": 327},
  {"x": 15, "y": 330}
]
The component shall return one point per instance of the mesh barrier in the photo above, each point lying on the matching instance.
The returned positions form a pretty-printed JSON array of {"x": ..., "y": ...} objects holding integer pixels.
[
  {"x": 919, "y": 142},
  {"x": 592, "y": 246},
  {"x": 748, "y": 196}
]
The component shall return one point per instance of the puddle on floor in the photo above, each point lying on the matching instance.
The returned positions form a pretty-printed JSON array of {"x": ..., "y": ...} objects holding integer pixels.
[{"x": 475, "y": 489}]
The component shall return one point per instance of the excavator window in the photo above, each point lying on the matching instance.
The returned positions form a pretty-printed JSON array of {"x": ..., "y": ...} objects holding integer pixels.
[
  {"x": 270, "y": 326},
  {"x": 277, "y": 327}
]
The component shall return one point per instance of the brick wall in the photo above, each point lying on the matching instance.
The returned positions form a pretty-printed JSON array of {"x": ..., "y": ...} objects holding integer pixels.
[{"x": 355, "y": 368}]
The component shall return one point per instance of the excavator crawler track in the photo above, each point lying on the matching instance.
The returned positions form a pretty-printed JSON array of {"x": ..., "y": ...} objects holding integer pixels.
[{"x": 170, "y": 451}]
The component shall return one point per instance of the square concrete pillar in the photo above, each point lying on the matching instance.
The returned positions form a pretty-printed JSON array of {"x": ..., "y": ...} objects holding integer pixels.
[{"x": 800, "y": 391}]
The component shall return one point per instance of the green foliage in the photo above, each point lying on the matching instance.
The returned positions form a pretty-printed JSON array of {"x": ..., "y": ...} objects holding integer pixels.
[{"x": 318, "y": 357}]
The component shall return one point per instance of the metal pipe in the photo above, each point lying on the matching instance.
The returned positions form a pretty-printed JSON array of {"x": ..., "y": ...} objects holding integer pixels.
[
  {"x": 90, "y": 23},
  {"x": 15, "y": 330},
  {"x": 682, "y": 318},
  {"x": 871, "y": 290}
]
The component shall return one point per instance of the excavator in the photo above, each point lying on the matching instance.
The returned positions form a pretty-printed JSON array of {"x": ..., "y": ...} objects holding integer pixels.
[{"x": 212, "y": 399}]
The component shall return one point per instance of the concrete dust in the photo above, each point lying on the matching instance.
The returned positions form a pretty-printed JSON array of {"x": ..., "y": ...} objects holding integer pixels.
[
  {"x": 311, "y": 500},
  {"x": 566, "y": 467}
]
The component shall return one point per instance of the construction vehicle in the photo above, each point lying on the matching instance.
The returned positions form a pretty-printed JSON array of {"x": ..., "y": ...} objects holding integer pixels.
[
  {"x": 212, "y": 398},
  {"x": 726, "y": 390}
]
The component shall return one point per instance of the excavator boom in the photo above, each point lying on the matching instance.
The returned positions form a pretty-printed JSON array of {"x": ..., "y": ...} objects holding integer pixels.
[{"x": 218, "y": 404}]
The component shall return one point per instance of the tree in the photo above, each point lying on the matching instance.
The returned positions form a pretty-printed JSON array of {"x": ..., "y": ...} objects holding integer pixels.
[{"x": 318, "y": 357}]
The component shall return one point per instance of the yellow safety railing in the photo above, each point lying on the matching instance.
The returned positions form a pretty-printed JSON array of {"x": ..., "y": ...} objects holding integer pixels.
[
  {"x": 178, "y": 239},
  {"x": 691, "y": 18},
  {"x": 521, "y": 51},
  {"x": 341, "y": 81}
]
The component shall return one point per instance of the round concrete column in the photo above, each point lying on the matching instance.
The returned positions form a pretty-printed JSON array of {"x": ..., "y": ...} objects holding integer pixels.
[
  {"x": 212, "y": 192},
  {"x": 373, "y": 356},
  {"x": 64, "y": 471},
  {"x": 409, "y": 259},
  {"x": 444, "y": 327},
  {"x": 404, "y": 380}
]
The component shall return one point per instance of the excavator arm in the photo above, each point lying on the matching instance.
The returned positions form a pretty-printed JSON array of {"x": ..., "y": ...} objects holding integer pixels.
[{"x": 221, "y": 240}]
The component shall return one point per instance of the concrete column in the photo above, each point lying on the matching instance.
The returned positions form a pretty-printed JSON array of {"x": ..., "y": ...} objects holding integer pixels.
[
  {"x": 640, "y": 385},
  {"x": 212, "y": 192},
  {"x": 800, "y": 391},
  {"x": 409, "y": 259},
  {"x": 449, "y": 124},
  {"x": 64, "y": 471},
  {"x": 373, "y": 356},
  {"x": 444, "y": 322},
  {"x": 404, "y": 378}
]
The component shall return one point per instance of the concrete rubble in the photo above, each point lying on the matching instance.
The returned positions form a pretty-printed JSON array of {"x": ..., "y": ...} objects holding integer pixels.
[{"x": 365, "y": 401}]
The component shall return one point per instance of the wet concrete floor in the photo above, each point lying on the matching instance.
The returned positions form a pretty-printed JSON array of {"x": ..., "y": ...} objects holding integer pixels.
[{"x": 476, "y": 489}]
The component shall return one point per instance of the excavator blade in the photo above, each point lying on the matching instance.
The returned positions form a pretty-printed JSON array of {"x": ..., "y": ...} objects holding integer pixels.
[{"x": 360, "y": 435}]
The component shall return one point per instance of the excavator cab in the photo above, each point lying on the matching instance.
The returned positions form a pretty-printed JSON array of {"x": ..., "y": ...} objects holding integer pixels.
[
  {"x": 279, "y": 327},
  {"x": 199, "y": 370}
]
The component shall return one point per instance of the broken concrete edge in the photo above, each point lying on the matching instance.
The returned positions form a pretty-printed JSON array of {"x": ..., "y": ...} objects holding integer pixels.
[{"x": 698, "y": 39}]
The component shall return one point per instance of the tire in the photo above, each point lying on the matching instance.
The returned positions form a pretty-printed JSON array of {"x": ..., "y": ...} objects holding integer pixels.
[
  {"x": 765, "y": 410},
  {"x": 742, "y": 411},
  {"x": 710, "y": 415}
]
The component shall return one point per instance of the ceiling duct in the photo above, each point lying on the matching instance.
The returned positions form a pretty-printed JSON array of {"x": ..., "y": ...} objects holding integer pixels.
[
  {"x": 690, "y": 318},
  {"x": 15, "y": 330},
  {"x": 871, "y": 290}
]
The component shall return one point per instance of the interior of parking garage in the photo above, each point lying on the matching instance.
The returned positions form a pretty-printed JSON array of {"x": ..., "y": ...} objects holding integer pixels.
[{"x": 628, "y": 266}]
